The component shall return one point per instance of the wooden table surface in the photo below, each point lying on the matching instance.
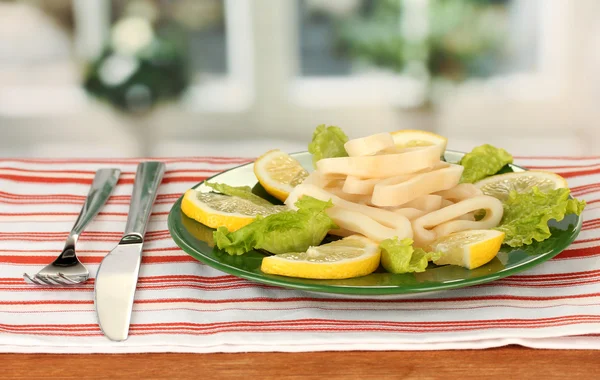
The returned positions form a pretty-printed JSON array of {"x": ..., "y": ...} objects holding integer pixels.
[{"x": 512, "y": 363}]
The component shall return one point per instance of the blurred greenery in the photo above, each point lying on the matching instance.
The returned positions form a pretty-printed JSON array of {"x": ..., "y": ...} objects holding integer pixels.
[
  {"x": 161, "y": 73},
  {"x": 464, "y": 37}
]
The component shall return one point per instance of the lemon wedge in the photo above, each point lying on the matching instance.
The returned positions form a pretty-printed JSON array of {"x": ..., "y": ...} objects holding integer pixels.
[
  {"x": 279, "y": 173},
  {"x": 353, "y": 256},
  {"x": 409, "y": 138},
  {"x": 499, "y": 186},
  {"x": 470, "y": 249},
  {"x": 215, "y": 210}
]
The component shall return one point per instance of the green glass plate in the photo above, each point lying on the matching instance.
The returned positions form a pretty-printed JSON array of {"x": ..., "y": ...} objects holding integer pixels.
[{"x": 196, "y": 239}]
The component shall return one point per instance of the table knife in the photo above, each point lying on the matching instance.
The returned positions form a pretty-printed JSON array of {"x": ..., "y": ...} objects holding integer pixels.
[{"x": 117, "y": 275}]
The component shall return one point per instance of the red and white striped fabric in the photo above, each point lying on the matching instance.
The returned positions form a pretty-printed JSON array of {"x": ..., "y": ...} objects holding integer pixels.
[{"x": 182, "y": 305}]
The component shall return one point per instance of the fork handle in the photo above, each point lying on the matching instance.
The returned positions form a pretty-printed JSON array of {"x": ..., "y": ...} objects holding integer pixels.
[
  {"x": 104, "y": 182},
  {"x": 147, "y": 179}
]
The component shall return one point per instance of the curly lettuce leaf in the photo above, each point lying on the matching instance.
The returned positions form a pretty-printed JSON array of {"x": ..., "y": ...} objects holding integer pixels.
[
  {"x": 574, "y": 206},
  {"x": 244, "y": 192},
  {"x": 240, "y": 241},
  {"x": 483, "y": 161},
  {"x": 327, "y": 142},
  {"x": 399, "y": 256},
  {"x": 526, "y": 215},
  {"x": 287, "y": 231}
]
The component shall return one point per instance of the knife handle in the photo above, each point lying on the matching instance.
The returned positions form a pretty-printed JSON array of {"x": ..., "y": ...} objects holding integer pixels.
[{"x": 147, "y": 178}]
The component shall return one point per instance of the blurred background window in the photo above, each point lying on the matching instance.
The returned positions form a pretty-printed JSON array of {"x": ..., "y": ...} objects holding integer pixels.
[
  {"x": 201, "y": 23},
  {"x": 455, "y": 38},
  {"x": 44, "y": 43},
  {"x": 171, "y": 77},
  {"x": 157, "y": 50},
  {"x": 434, "y": 41}
]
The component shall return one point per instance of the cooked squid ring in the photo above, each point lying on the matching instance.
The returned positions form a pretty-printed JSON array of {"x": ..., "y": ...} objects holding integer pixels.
[
  {"x": 410, "y": 213},
  {"x": 443, "y": 222},
  {"x": 335, "y": 188},
  {"x": 318, "y": 179},
  {"x": 470, "y": 217},
  {"x": 367, "y": 146},
  {"x": 446, "y": 203},
  {"x": 460, "y": 192},
  {"x": 426, "y": 203},
  {"x": 355, "y": 185},
  {"x": 397, "y": 191},
  {"x": 399, "y": 223},
  {"x": 359, "y": 223},
  {"x": 381, "y": 166}
]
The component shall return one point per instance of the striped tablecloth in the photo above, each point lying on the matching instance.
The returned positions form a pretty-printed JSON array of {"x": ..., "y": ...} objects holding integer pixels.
[{"x": 185, "y": 306}]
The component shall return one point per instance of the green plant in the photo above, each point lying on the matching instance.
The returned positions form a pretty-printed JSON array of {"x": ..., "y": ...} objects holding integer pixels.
[
  {"x": 463, "y": 38},
  {"x": 140, "y": 66}
]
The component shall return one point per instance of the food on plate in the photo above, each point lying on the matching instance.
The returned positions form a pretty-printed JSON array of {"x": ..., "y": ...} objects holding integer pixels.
[
  {"x": 219, "y": 210},
  {"x": 526, "y": 215},
  {"x": 399, "y": 256},
  {"x": 500, "y": 185},
  {"x": 359, "y": 186},
  {"x": 278, "y": 173},
  {"x": 484, "y": 161},
  {"x": 470, "y": 248},
  {"x": 382, "y": 166},
  {"x": 349, "y": 257},
  {"x": 285, "y": 231},
  {"x": 408, "y": 138},
  {"x": 460, "y": 192},
  {"x": 327, "y": 142},
  {"x": 373, "y": 222},
  {"x": 445, "y": 221},
  {"x": 400, "y": 190},
  {"x": 244, "y": 192},
  {"x": 530, "y": 200},
  {"x": 369, "y": 145},
  {"x": 392, "y": 201}
]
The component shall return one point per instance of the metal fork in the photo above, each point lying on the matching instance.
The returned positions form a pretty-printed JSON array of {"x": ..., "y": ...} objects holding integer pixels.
[{"x": 66, "y": 269}]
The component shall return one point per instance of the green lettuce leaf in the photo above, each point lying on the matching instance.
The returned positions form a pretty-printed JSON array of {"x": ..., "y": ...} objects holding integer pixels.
[
  {"x": 240, "y": 241},
  {"x": 399, "y": 256},
  {"x": 574, "y": 206},
  {"x": 483, "y": 161},
  {"x": 244, "y": 192},
  {"x": 526, "y": 215},
  {"x": 327, "y": 142},
  {"x": 287, "y": 231}
]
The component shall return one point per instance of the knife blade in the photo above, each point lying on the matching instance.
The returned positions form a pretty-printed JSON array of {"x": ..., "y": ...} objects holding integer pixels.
[{"x": 116, "y": 280}]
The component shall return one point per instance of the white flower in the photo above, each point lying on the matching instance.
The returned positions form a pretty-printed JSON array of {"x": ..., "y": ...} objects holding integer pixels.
[
  {"x": 116, "y": 69},
  {"x": 131, "y": 35}
]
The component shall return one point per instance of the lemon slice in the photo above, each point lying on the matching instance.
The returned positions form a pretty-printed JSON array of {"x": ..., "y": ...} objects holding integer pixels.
[
  {"x": 352, "y": 256},
  {"x": 469, "y": 249},
  {"x": 409, "y": 138},
  {"x": 279, "y": 173},
  {"x": 499, "y": 186},
  {"x": 215, "y": 210}
]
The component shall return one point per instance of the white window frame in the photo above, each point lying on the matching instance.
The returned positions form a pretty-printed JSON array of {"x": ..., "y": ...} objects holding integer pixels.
[
  {"x": 235, "y": 91},
  {"x": 547, "y": 82}
]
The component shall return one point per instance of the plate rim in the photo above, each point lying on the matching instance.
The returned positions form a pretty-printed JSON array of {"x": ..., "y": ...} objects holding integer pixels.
[{"x": 377, "y": 290}]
